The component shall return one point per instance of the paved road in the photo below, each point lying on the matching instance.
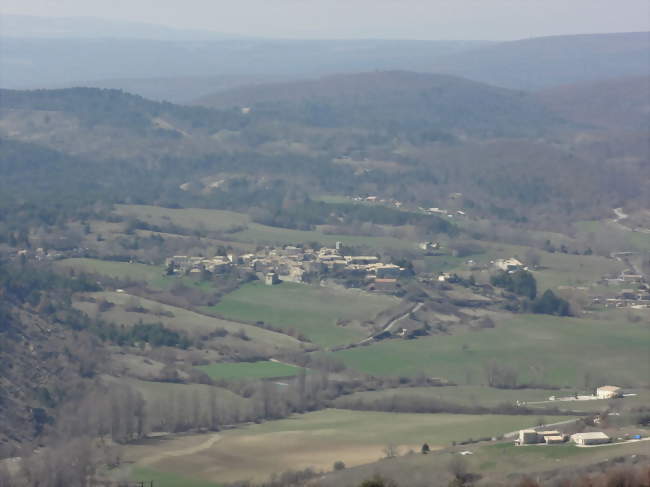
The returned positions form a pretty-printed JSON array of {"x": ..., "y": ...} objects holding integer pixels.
[{"x": 391, "y": 323}]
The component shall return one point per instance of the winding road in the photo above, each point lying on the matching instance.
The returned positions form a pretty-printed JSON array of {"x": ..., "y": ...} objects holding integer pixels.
[{"x": 391, "y": 323}]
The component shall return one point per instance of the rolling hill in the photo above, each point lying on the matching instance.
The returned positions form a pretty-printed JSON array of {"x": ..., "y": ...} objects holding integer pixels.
[
  {"x": 618, "y": 104},
  {"x": 394, "y": 100},
  {"x": 537, "y": 63}
]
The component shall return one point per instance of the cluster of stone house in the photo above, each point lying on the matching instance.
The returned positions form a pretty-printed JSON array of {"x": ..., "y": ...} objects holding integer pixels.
[
  {"x": 289, "y": 263},
  {"x": 634, "y": 298},
  {"x": 533, "y": 437}
]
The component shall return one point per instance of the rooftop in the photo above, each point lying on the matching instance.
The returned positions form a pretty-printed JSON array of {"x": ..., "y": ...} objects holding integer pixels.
[{"x": 594, "y": 435}]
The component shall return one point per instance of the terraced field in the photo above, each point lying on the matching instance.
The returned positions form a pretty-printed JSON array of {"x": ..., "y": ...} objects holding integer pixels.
[
  {"x": 311, "y": 310},
  {"x": 545, "y": 349},
  {"x": 181, "y": 319}
]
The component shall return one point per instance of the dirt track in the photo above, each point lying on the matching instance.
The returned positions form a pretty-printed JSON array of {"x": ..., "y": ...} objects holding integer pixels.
[{"x": 157, "y": 457}]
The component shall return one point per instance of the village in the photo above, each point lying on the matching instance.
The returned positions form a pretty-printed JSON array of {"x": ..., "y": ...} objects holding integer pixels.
[{"x": 291, "y": 264}]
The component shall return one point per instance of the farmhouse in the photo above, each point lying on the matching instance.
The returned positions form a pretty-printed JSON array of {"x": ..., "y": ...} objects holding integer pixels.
[
  {"x": 593, "y": 438},
  {"x": 608, "y": 392},
  {"x": 508, "y": 265},
  {"x": 429, "y": 246},
  {"x": 554, "y": 440},
  {"x": 527, "y": 437},
  {"x": 532, "y": 437},
  {"x": 271, "y": 278}
]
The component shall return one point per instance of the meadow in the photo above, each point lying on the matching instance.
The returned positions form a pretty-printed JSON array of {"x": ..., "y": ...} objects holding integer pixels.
[
  {"x": 249, "y": 370},
  {"x": 188, "y": 218},
  {"x": 462, "y": 395},
  {"x": 542, "y": 349},
  {"x": 321, "y": 438},
  {"x": 181, "y": 319},
  {"x": 311, "y": 310},
  {"x": 153, "y": 276},
  {"x": 608, "y": 230},
  {"x": 198, "y": 219},
  {"x": 495, "y": 462}
]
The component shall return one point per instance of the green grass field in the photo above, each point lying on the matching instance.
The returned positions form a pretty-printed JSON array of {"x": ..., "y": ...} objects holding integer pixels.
[
  {"x": 167, "y": 479},
  {"x": 217, "y": 220},
  {"x": 311, "y": 310},
  {"x": 264, "y": 234},
  {"x": 249, "y": 370},
  {"x": 602, "y": 229},
  {"x": 182, "y": 320},
  {"x": 153, "y": 276},
  {"x": 463, "y": 395},
  {"x": 546, "y": 349},
  {"x": 494, "y": 462},
  {"x": 320, "y": 438},
  {"x": 188, "y": 218},
  {"x": 573, "y": 270},
  {"x": 153, "y": 392}
]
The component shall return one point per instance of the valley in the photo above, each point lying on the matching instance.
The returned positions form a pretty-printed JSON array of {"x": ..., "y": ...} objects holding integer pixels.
[{"x": 311, "y": 278}]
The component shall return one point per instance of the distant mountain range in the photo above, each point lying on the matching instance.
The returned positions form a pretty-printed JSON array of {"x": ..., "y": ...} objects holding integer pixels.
[
  {"x": 177, "y": 65},
  {"x": 28, "y": 26},
  {"x": 537, "y": 63}
]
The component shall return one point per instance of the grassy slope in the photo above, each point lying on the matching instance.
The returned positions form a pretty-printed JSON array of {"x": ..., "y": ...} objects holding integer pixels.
[
  {"x": 560, "y": 349},
  {"x": 489, "y": 397},
  {"x": 167, "y": 479},
  {"x": 495, "y": 462},
  {"x": 153, "y": 392},
  {"x": 636, "y": 241},
  {"x": 465, "y": 395},
  {"x": 183, "y": 320},
  {"x": 153, "y": 276},
  {"x": 218, "y": 220},
  {"x": 193, "y": 218},
  {"x": 249, "y": 370},
  {"x": 309, "y": 309},
  {"x": 318, "y": 439}
]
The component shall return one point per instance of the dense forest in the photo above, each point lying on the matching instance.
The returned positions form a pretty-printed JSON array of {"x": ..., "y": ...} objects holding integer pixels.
[{"x": 61, "y": 153}]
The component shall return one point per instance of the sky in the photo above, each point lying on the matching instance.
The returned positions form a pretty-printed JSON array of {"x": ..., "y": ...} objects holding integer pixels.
[{"x": 401, "y": 19}]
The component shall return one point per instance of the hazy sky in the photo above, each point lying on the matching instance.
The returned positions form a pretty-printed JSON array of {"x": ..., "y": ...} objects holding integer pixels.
[{"x": 412, "y": 19}]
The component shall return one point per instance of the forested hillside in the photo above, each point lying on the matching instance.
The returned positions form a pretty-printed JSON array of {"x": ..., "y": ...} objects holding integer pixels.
[
  {"x": 536, "y": 63},
  {"x": 617, "y": 104},
  {"x": 397, "y": 101},
  {"x": 413, "y": 137}
]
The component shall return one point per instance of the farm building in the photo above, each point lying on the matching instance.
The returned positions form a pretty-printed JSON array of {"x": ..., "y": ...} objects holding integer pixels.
[
  {"x": 531, "y": 437},
  {"x": 508, "y": 265},
  {"x": 527, "y": 437},
  {"x": 608, "y": 392},
  {"x": 543, "y": 435},
  {"x": 271, "y": 278},
  {"x": 554, "y": 440},
  {"x": 594, "y": 438}
]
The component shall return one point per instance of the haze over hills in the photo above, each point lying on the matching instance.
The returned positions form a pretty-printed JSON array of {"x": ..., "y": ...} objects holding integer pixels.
[
  {"x": 44, "y": 63},
  {"x": 27, "y": 26},
  {"x": 365, "y": 247},
  {"x": 622, "y": 103},
  {"x": 536, "y": 63},
  {"x": 393, "y": 98},
  {"x": 182, "y": 89},
  {"x": 527, "y": 64}
]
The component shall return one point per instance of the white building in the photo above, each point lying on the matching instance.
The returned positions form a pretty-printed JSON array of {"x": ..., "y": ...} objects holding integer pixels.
[
  {"x": 608, "y": 392},
  {"x": 593, "y": 438},
  {"x": 508, "y": 265}
]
